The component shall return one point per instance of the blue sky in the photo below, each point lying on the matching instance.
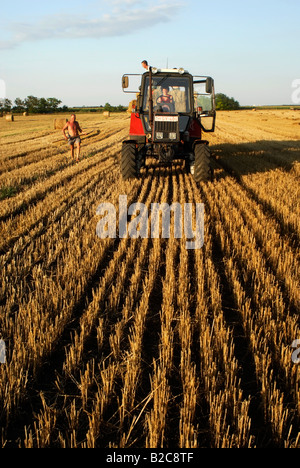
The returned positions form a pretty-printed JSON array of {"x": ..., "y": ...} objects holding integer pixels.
[{"x": 78, "y": 51}]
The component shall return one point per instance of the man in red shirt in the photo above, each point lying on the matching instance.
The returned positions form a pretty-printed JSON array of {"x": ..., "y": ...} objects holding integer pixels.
[{"x": 166, "y": 101}]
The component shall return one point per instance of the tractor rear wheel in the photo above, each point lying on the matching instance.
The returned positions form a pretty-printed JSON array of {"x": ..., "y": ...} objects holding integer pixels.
[
  {"x": 202, "y": 168},
  {"x": 129, "y": 166}
]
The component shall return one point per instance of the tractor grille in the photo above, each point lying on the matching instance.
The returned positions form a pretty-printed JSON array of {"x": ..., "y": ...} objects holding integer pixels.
[{"x": 166, "y": 128}]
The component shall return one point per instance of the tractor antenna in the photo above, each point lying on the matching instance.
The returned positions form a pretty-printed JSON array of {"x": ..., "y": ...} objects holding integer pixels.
[{"x": 167, "y": 62}]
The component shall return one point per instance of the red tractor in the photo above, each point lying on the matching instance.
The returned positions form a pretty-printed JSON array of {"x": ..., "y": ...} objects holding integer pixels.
[{"x": 168, "y": 120}]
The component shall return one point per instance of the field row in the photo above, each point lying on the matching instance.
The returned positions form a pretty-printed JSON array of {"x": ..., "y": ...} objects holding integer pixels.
[{"x": 141, "y": 342}]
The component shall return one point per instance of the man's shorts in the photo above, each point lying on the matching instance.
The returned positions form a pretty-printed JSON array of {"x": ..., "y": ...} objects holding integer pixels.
[{"x": 73, "y": 140}]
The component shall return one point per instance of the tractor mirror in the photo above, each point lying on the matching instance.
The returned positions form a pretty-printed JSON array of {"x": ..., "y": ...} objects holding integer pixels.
[
  {"x": 209, "y": 85},
  {"x": 125, "y": 82}
]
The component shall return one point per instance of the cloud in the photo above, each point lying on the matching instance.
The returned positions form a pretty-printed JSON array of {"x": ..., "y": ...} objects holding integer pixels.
[
  {"x": 7, "y": 44},
  {"x": 126, "y": 17}
]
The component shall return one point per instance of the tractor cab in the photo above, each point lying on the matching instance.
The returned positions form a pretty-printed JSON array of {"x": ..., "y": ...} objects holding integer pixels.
[{"x": 172, "y": 110}]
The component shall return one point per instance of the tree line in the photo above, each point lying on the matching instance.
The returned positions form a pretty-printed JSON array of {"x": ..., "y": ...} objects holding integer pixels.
[
  {"x": 35, "y": 105},
  {"x": 31, "y": 104},
  {"x": 224, "y": 102}
]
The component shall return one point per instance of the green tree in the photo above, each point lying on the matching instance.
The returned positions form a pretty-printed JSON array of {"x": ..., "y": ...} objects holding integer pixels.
[
  {"x": 32, "y": 104},
  {"x": 121, "y": 108},
  {"x": 43, "y": 106},
  {"x": 36, "y": 105},
  {"x": 19, "y": 105},
  {"x": 224, "y": 102},
  {"x": 7, "y": 105},
  {"x": 53, "y": 104},
  {"x": 108, "y": 107}
]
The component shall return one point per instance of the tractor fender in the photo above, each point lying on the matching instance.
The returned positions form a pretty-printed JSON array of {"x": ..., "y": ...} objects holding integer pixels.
[
  {"x": 128, "y": 142},
  {"x": 136, "y": 125},
  {"x": 200, "y": 142}
]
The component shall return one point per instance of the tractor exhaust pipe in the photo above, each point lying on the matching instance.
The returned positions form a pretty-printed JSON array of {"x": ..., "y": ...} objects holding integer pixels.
[{"x": 150, "y": 99}]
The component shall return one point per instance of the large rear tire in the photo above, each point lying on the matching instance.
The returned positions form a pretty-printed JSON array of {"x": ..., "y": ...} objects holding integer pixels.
[
  {"x": 202, "y": 168},
  {"x": 129, "y": 166}
]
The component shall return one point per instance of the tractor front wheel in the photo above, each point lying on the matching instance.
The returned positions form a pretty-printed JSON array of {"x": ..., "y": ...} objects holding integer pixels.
[
  {"x": 129, "y": 164},
  {"x": 202, "y": 168}
]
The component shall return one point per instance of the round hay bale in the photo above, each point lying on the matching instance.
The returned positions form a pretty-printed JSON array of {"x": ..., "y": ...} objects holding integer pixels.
[
  {"x": 25, "y": 114},
  {"x": 9, "y": 118},
  {"x": 106, "y": 114},
  {"x": 59, "y": 123}
]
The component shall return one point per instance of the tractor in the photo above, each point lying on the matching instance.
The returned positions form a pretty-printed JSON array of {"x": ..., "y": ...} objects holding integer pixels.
[{"x": 167, "y": 121}]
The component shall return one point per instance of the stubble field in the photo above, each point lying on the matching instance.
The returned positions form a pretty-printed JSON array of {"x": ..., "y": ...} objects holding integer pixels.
[{"x": 141, "y": 342}]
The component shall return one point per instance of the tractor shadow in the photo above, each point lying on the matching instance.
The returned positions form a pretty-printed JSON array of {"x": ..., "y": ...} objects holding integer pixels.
[
  {"x": 255, "y": 157},
  {"x": 237, "y": 160}
]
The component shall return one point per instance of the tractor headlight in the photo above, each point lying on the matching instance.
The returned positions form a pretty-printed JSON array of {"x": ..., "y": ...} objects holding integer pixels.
[
  {"x": 154, "y": 70},
  {"x": 172, "y": 136},
  {"x": 159, "y": 135},
  {"x": 181, "y": 71}
]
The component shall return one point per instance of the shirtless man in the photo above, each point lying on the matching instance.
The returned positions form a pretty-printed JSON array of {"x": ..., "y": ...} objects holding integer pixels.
[{"x": 74, "y": 129}]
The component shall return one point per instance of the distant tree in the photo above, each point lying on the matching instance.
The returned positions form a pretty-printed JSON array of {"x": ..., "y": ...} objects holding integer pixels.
[
  {"x": 43, "y": 106},
  {"x": 108, "y": 107},
  {"x": 224, "y": 102},
  {"x": 7, "y": 105},
  {"x": 19, "y": 105},
  {"x": 36, "y": 105},
  {"x": 32, "y": 104},
  {"x": 48, "y": 106},
  {"x": 53, "y": 104},
  {"x": 121, "y": 108}
]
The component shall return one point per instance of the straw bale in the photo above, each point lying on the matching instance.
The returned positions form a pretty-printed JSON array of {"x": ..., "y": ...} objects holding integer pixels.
[
  {"x": 9, "y": 118},
  {"x": 59, "y": 123}
]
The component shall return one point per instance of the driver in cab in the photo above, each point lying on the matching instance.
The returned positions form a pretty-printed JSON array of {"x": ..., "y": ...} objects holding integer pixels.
[{"x": 166, "y": 101}]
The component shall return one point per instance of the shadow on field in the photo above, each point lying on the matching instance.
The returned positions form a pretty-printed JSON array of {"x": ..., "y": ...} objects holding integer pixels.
[
  {"x": 255, "y": 157},
  {"x": 240, "y": 159}
]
